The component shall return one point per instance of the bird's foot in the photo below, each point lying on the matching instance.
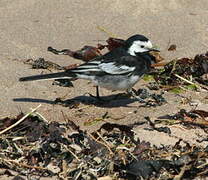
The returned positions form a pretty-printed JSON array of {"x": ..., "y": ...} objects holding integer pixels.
[
  {"x": 133, "y": 93},
  {"x": 98, "y": 99}
]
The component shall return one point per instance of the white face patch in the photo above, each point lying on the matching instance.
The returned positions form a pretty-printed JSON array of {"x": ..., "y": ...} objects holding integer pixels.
[{"x": 139, "y": 47}]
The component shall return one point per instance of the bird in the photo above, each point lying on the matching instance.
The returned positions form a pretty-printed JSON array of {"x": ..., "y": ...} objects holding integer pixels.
[{"x": 119, "y": 69}]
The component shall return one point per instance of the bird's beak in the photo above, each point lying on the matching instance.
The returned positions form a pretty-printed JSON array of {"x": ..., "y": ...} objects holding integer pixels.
[{"x": 153, "y": 49}]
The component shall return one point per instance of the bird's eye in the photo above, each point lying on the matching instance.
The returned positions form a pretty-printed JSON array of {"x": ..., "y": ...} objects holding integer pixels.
[{"x": 142, "y": 46}]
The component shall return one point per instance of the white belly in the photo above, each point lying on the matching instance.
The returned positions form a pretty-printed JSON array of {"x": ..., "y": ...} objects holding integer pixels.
[{"x": 117, "y": 83}]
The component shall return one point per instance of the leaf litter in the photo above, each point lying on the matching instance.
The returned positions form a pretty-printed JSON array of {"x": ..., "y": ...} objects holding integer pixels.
[
  {"x": 184, "y": 73},
  {"x": 37, "y": 148}
]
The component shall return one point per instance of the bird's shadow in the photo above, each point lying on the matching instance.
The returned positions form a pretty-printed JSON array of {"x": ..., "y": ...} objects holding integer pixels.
[{"x": 107, "y": 101}]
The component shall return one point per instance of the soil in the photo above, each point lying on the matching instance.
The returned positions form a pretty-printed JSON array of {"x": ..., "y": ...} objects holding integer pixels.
[{"x": 28, "y": 27}]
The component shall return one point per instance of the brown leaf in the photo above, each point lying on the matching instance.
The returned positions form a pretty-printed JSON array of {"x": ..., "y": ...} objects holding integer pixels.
[
  {"x": 157, "y": 56},
  {"x": 172, "y": 47},
  {"x": 86, "y": 53},
  {"x": 114, "y": 43}
]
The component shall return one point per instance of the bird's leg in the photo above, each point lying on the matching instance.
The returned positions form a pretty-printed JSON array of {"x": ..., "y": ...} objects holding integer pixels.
[
  {"x": 97, "y": 93},
  {"x": 101, "y": 100},
  {"x": 132, "y": 92}
]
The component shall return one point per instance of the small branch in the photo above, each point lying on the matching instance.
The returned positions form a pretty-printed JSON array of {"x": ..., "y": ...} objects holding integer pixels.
[
  {"x": 107, "y": 32},
  {"x": 103, "y": 139},
  {"x": 159, "y": 64},
  {"x": 73, "y": 154},
  {"x": 183, "y": 79},
  {"x": 180, "y": 175},
  {"x": 109, "y": 149},
  {"x": 42, "y": 117},
  {"x": 196, "y": 84},
  {"x": 19, "y": 121},
  {"x": 23, "y": 165}
]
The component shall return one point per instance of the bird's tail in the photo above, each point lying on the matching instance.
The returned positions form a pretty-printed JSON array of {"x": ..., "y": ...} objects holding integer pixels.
[{"x": 59, "y": 75}]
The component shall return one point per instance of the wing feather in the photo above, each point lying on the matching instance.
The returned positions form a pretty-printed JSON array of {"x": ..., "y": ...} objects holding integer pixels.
[
  {"x": 115, "y": 68},
  {"x": 122, "y": 65}
]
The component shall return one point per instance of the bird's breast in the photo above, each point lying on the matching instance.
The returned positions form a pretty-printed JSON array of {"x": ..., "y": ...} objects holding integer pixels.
[{"x": 117, "y": 82}]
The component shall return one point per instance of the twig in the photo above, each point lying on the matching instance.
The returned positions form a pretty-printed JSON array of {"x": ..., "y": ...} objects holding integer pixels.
[
  {"x": 203, "y": 172},
  {"x": 196, "y": 84},
  {"x": 100, "y": 143},
  {"x": 23, "y": 165},
  {"x": 104, "y": 30},
  {"x": 174, "y": 65},
  {"x": 73, "y": 154},
  {"x": 127, "y": 149},
  {"x": 202, "y": 166},
  {"x": 180, "y": 175},
  {"x": 78, "y": 175},
  {"x": 42, "y": 117},
  {"x": 103, "y": 139},
  {"x": 159, "y": 64},
  {"x": 183, "y": 79},
  {"x": 21, "y": 120}
]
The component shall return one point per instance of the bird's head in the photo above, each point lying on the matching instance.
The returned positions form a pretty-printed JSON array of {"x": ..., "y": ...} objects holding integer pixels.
[{"x": 138, "y": 44}]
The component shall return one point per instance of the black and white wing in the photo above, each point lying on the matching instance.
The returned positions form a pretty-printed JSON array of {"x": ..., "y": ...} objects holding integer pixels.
[
  {"x": 115, "y": 68},
  {"x": 122, "y": 65}
]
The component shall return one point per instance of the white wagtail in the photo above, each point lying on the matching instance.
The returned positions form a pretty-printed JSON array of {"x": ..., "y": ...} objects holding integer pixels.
[{"x": 119, "y": 69}]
